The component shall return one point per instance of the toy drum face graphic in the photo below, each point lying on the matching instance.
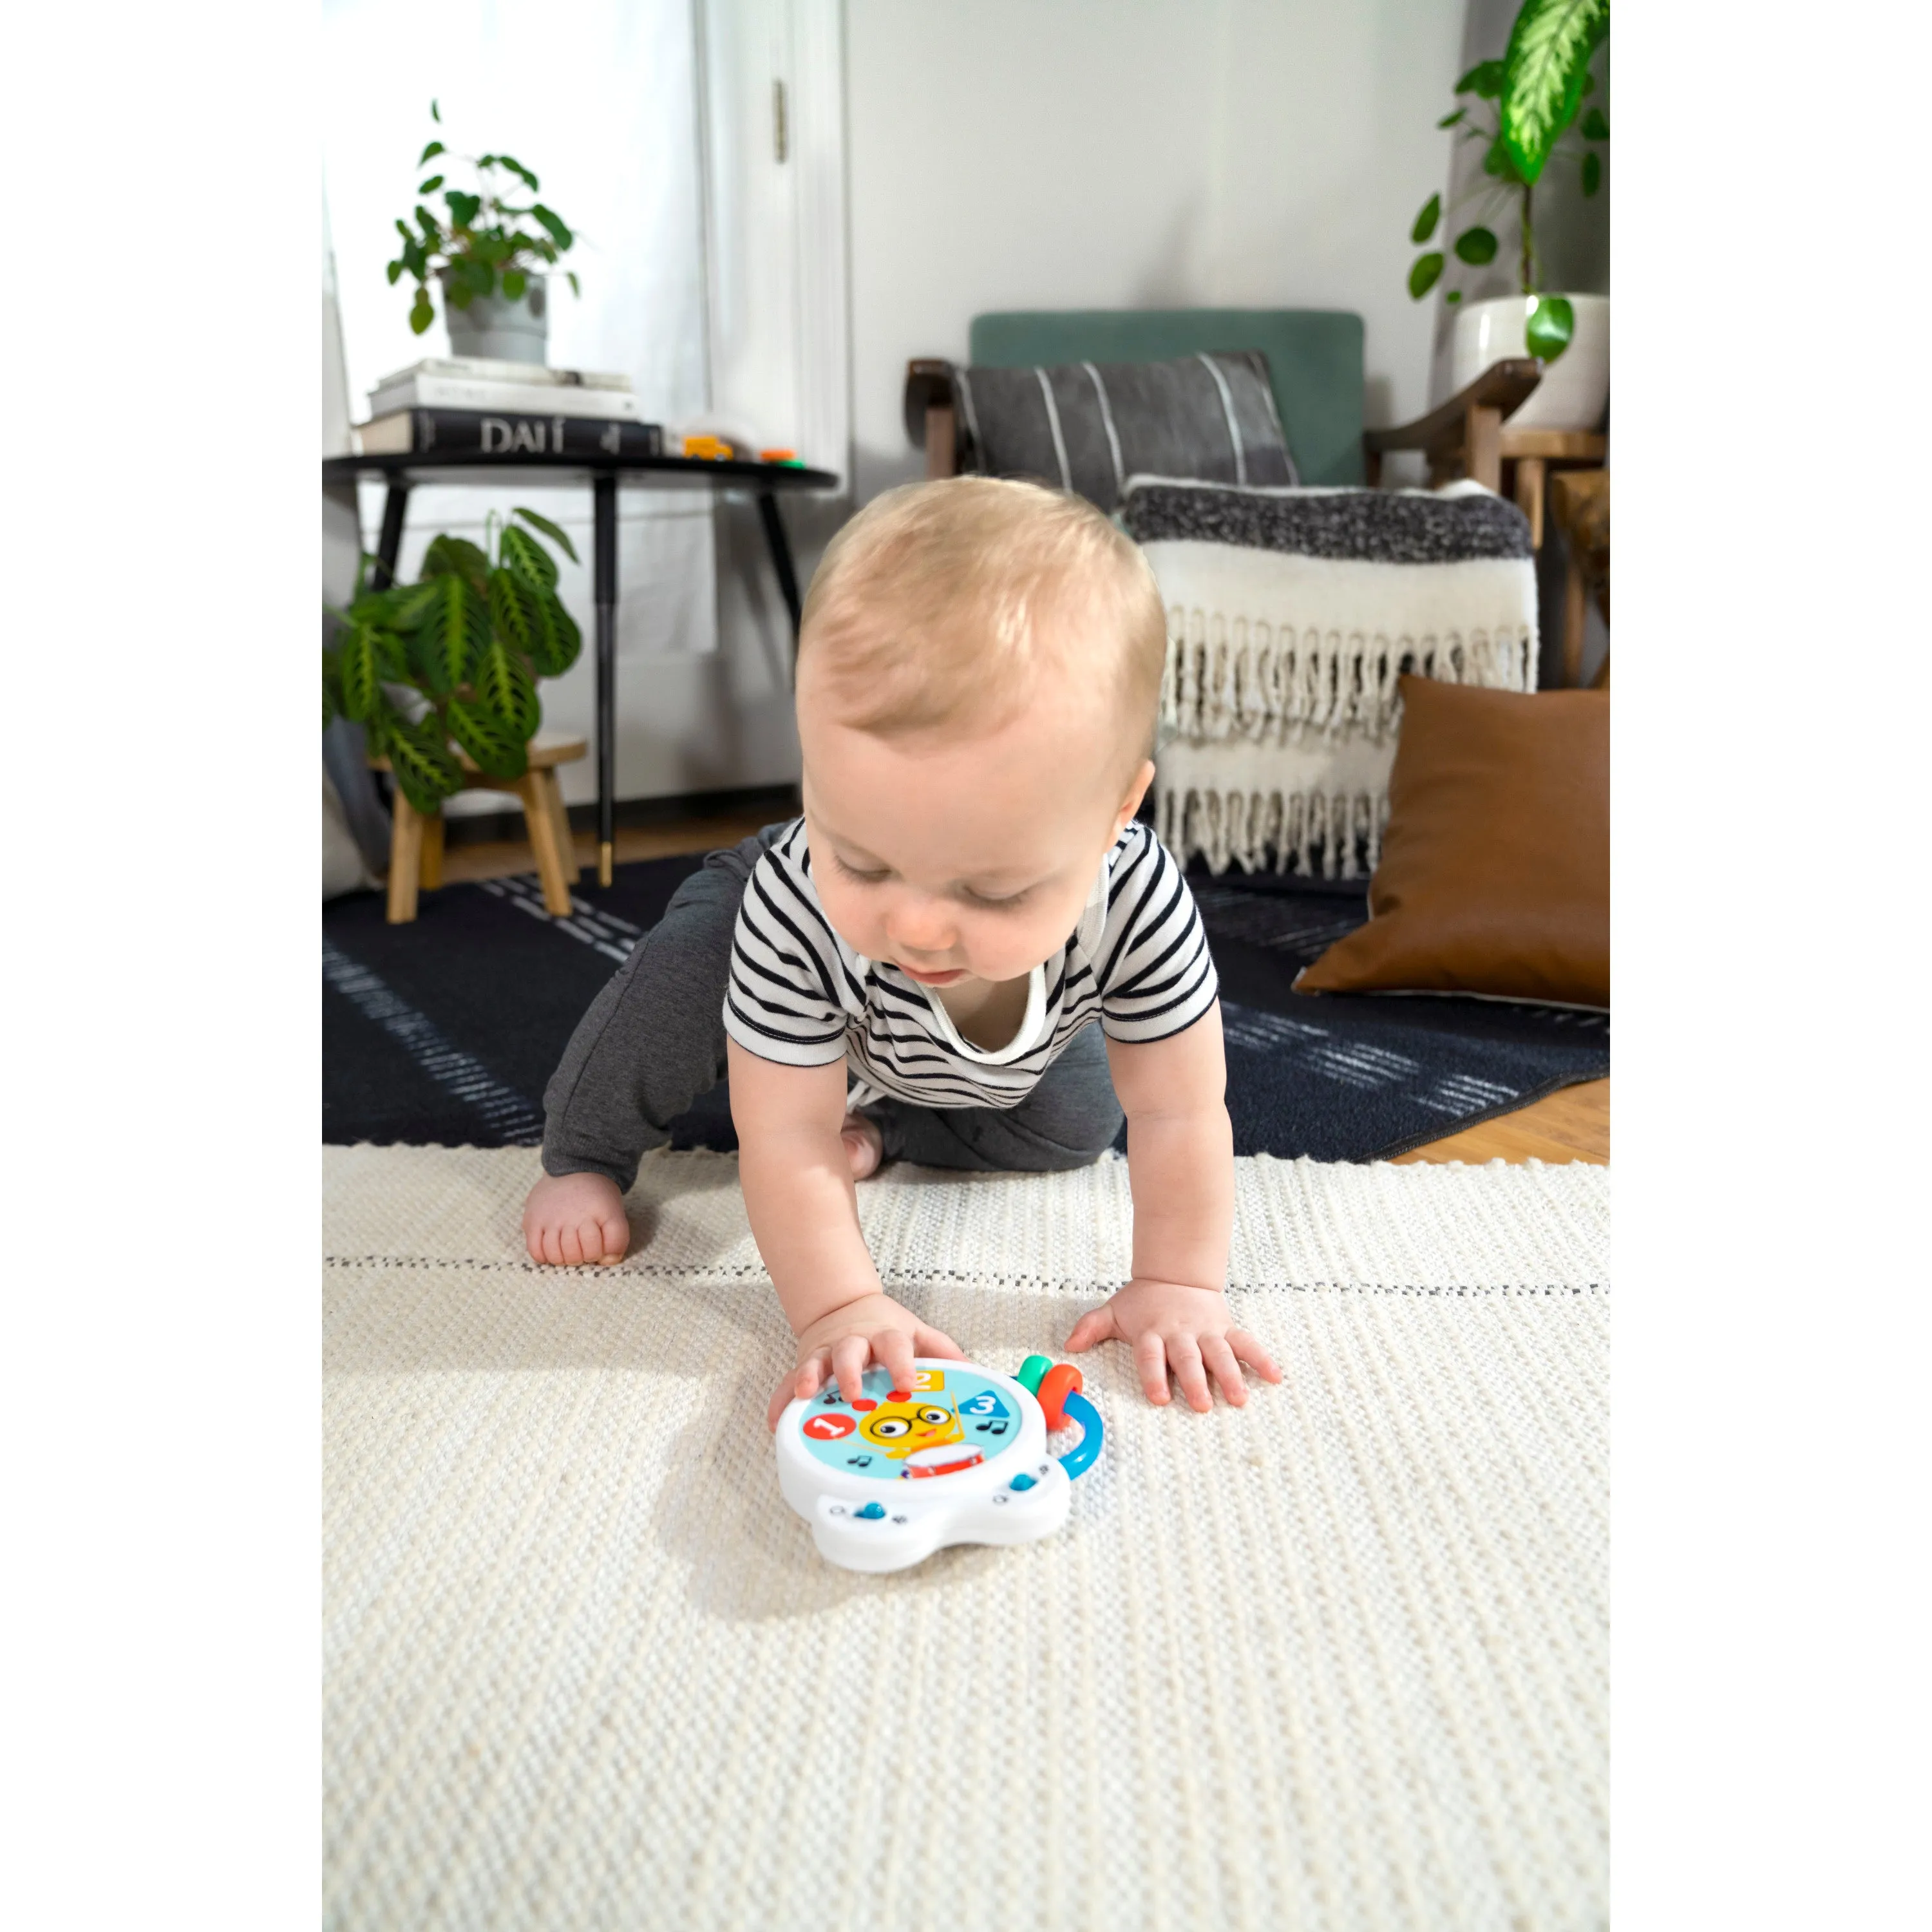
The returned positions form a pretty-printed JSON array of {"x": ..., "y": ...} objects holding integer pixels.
[{"x": 950, "y": 1420}]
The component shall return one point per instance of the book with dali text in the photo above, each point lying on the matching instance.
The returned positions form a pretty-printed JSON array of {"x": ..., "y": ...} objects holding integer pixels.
[{"x": 481, "y": 435}]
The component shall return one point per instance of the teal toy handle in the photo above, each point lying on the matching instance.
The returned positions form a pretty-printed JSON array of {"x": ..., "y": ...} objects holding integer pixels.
[{"x": 1077, "y": 1461}]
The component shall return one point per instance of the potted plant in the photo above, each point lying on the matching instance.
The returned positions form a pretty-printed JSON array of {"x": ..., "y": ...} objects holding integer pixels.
[
  {"x": 453, "y": 659},
  {"x": 1525, "y": 110},
  {"x": 491, "y": 266}
]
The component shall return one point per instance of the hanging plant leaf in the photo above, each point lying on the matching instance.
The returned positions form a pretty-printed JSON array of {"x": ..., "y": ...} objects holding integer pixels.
[
  {"x": 1552, "y": 322},
  {"x": 495, "y": 750},
  {"x": 1595, "y": 128},
  {"x": 375, "y": 729},
  {"x": 1452, "y": 295},
  {"x": 450, "y": 635},
  {"x": 522, "y": 553},
  {"x": 430, "y": 153},
  {"x": 571, "y": 277},
  {"x": 1550, "y": 52},
  {"x": 360, "y": 666},
  {"x": 1423, "y": 276},
  {"x": 1496, "y": 160},
  {"x": 558, "y": 638},
  {"x": 1476, "y": 246},
  {"x": 513, "y": 601},
  {"x": 1485, "y": 80},
  {"x": 561, "y": 537},
  {"x": 419, "y": 756},
  {"x": 1450, "y": 120},
  {"x": 408, "y": 604},
  {"x": 392, "y": 655},
  {"x": 1425, "y": 222},
  {"x": 463, "y": 207},
  {"x": 1593, "y": 171},
  {"x": 430, "y": 186},
  {"x": 421, "y": 312},
  {"x": 514, "y": 282},
  {"x": 502, "y": 683},
  {"x": 448, "y": 554}
]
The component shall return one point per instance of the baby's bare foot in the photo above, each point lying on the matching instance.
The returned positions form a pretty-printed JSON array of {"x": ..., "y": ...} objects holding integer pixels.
[{"x": 864, "y": 1146}]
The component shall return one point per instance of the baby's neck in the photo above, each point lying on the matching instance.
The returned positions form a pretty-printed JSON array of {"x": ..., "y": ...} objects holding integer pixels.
[{"x": 988, "y": 1012}]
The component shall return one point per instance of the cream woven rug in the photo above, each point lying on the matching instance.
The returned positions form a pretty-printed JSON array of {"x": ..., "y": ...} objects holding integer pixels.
[{"x": 1335, "y": 1660}]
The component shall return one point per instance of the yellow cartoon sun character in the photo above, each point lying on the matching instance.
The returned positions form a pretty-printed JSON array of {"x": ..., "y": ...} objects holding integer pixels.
[{"x": 899, "y": 1428}]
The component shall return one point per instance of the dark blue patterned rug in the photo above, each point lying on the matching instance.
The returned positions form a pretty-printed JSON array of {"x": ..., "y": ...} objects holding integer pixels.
[{"x": 446, "y": 1030}]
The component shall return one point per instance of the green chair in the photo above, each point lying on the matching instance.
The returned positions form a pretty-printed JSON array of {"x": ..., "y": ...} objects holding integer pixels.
[{"x": 1314, "y": 363}]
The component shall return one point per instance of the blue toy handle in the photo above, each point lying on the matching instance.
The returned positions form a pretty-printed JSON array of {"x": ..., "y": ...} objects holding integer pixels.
[{"x": 1077, "y": 1461}]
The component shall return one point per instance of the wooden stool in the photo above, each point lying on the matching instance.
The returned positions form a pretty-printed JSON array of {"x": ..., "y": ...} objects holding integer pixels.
[{"x": 416, "y": 841}]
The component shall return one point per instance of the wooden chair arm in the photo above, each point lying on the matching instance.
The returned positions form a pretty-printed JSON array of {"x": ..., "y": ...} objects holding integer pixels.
[
  {"x": 929, "y": 415},
  {"x": 928, "y": 386},
  {"x": 1504, "y": 387}
]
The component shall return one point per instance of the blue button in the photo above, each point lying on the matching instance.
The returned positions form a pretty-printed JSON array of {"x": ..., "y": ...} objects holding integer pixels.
[
  {"x": 871, "y": 1512},
  {"x": 1019, "y": 1483}
]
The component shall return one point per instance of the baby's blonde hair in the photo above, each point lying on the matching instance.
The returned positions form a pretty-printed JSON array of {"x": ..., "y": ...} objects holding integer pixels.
[{"x": 940, "y": 604}]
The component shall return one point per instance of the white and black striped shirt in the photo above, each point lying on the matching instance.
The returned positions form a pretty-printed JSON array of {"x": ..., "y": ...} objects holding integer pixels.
[{"x": 1137, "y": 962}]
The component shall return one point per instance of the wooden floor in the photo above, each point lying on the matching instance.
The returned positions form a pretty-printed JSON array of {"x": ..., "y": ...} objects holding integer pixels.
[{"x": 1572, "y": 1123}]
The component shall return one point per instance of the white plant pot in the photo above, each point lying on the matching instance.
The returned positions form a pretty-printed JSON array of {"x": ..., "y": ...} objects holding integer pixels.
[
  {"x": 1575, "y": 387},
  {"x": 497, "y": 328}
]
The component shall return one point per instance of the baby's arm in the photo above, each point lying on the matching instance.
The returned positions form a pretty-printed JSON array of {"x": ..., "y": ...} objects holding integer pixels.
[
  {"x": 1180, "y": 1168},
  {"x": 797, "y": 1179}
]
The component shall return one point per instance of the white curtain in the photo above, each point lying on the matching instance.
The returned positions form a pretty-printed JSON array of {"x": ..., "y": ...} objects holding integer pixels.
[{"x": 600, "y": 98}]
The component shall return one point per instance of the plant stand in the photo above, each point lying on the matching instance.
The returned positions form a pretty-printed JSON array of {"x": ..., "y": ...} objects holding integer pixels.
[{"x": 415, "y": 839}]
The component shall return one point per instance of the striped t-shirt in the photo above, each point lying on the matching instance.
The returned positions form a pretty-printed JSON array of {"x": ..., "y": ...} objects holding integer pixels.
[{"x": 1137, "y": 962}]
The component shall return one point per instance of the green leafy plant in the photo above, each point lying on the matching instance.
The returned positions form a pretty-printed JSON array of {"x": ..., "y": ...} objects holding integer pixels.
[
  {"x": 453, "y": 659},
  {"x": 479, "y": 245},
  {"x": 1524, "y": 110}
]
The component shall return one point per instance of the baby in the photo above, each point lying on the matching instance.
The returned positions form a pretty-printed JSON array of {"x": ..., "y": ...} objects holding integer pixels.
[{"x": 911, "y": 970}]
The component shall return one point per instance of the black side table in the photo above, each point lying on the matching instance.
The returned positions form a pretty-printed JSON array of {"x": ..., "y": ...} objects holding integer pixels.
[{"x": 764, "y": 481}]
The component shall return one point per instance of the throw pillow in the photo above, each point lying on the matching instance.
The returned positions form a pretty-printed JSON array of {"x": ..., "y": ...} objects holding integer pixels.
[
  {"x": 1495, "y": 875},
  {"x": 1089, "y": 428}
]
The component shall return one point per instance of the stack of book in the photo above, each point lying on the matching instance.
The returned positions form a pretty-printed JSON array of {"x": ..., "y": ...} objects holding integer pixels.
[{"x": 467, "y": 408}]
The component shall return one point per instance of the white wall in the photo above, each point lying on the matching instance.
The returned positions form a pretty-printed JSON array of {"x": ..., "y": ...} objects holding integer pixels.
[{"x": 1103, "y": 154}]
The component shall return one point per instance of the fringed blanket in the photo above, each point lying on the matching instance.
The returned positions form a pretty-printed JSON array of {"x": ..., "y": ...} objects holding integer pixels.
[{"x": 1292, "y": 613}]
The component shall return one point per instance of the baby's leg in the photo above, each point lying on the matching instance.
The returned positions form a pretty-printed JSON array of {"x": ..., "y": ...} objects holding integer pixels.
[
  {"x": 653, "y": 1039},
  {"x": 1070, "y": 1119}
]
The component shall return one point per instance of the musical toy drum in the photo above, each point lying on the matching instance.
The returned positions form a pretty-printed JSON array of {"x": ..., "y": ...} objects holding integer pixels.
[{"x": 961, "y": 1457}]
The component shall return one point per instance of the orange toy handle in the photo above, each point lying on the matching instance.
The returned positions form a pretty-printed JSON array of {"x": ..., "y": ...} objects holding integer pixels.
[{"x": 1055, "y": 1386}]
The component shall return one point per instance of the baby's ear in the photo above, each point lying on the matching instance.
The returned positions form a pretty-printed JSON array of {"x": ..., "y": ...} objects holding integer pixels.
[{"x": 1136, "y": 791}]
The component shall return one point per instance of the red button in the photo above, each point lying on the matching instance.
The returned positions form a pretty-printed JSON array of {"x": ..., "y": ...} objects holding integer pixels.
[{"x": 828, "y": 1428}]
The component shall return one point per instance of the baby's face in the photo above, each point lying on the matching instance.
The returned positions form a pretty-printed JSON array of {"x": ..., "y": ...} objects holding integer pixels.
[{"x": 956, "y": 857}]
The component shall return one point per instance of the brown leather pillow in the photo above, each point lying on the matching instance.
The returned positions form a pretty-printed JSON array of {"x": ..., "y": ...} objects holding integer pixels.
[{"x": 1494, "y": 876}]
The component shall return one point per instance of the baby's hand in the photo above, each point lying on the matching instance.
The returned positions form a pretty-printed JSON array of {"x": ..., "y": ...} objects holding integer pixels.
[
  {"x": 875, "y": 1328},
  {"x": 575, "y": 1220},
  {"x": 1188, "y": 1330}
]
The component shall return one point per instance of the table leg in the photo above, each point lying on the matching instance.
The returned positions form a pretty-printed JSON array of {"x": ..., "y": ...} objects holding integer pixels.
[
  {"x": 389, "y": 545},
  {"x": 1575, "y": 615},
  {"x": 780, "y": 547},
  {"x": 605, "y": 562},
  {"x": 1529, "y": 480}
]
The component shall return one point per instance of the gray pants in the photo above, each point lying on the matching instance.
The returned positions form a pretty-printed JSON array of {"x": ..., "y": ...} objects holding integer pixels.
[{"x": 653, "y": 1040}]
